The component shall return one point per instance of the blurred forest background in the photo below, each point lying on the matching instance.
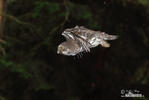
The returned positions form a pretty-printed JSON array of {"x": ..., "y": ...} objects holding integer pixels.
[{"x": 30, "y": 31}]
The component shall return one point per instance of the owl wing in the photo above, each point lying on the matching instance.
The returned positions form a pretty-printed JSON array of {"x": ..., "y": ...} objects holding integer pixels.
[
  {"x": 83, "y": 43},
  {"x": 80, "y": 41}
]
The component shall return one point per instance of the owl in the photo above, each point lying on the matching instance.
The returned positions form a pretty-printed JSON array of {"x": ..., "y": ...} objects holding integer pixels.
[{"x": 81, "y": 39}]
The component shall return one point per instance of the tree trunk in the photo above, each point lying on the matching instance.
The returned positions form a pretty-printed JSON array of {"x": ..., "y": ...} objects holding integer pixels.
[{"x": 1, "y": 26}]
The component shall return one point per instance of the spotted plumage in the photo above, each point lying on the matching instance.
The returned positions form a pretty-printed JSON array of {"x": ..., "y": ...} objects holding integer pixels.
[{"x": 79, "y": 39}]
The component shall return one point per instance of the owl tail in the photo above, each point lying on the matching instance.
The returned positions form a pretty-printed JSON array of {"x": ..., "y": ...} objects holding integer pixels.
[{"x": 105, "y": 36}]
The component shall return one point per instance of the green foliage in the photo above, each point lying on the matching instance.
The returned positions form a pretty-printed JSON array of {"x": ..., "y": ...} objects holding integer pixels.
[
  {"x": 142, "y": 74},
  {"x": 2, "y": 50},
  {"x": 144, "y": 2},
  {"x": 82, "y": 12},
  {"x": 144, "y": 98},
  {"x": 2, "y": 98},
  {"x": 50, "y": 6},
  {"x": 14, "y": 67},
  {"x": 143, "y": 36},
  {"x": 72, "y": 10}
]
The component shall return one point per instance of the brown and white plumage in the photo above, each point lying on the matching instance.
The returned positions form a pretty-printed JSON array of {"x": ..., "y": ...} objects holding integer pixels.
[
  {"x": 69, "y": 48},
  {"x": 79, "y": 39}
]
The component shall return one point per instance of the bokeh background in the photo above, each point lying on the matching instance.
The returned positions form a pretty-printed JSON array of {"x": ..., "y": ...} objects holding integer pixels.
[{"x": 30, "y": 31}]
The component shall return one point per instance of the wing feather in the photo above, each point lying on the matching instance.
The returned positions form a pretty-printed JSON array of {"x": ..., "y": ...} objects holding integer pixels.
[{"x": 82, "y": 42}]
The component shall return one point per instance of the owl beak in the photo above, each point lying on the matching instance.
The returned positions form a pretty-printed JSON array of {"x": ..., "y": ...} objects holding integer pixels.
[
  {"x": 58, "y": 52},
  {"x": 60, "y": 48}
]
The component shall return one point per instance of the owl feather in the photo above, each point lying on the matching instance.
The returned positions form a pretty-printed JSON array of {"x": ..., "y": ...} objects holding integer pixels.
[{"x": 79, "y": 39}]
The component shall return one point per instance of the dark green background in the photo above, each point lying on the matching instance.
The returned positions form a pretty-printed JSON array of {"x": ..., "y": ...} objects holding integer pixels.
[{"x": 30, "y": 69}]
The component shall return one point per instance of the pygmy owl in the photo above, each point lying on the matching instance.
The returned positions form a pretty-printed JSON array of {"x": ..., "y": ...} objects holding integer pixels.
[{"x": 79, "y": 39}]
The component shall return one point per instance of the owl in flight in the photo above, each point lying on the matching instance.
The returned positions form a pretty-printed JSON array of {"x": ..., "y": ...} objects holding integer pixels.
[{"x": 80, "y": 39}]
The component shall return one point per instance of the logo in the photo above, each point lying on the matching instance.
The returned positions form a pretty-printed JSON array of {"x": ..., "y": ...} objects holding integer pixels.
[{"x": 131, "y": 93}]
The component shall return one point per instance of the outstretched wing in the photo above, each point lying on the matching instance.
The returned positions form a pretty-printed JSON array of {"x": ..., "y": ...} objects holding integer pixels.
[{"x": 82, "y": 42}]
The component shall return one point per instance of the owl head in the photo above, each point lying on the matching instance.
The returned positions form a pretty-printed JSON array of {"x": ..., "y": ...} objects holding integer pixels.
[
  {"x": 63, "y": 49},
  {"x": 68, "y": 48}
]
